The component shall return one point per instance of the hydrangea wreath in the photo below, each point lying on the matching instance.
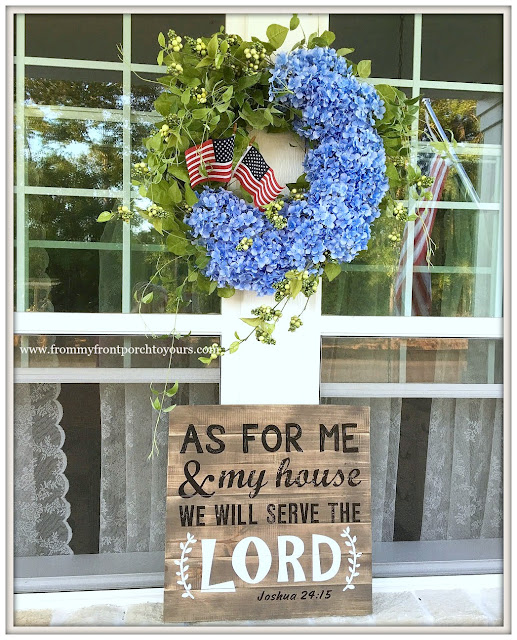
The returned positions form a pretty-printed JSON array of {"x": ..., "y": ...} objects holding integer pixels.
[{"x": 356, "y": 138}]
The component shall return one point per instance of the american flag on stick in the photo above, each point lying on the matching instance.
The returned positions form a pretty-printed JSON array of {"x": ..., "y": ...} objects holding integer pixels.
[
  {"x": 421, "y": 299},
  {"x": 215, "y": 156},
  {"x": 257, "y": 177}
]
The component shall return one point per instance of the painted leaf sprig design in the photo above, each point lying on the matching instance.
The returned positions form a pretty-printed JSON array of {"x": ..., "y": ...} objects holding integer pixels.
[
  {"x": 183, "y": 567},
  {"x": 353, "y": 565}
]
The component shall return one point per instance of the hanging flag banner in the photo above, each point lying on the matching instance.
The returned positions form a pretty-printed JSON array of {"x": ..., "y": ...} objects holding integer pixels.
[{"x": 268, "y": 513}]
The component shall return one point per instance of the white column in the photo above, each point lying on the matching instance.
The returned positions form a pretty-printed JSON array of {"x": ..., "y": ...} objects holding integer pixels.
[{"x": 288, "y": 372}]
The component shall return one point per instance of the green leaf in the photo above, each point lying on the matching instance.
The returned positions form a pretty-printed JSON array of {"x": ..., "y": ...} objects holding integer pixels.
[
  {"x": 204, "y": 62},
  {"x": 163, "y": 103},
  {"x": 364, "y": 68},
  {"x": 157, "y": 224},
  {"x": 212, "y": 46},
  {"x": 236, "y": 335},
  {"x": 175, "y": 192},
  {"x": 227, "y": 94},
  {"x": 172, "y": 391},
  {"x": 156, "y": 403},
  {"x": 234, "y": 346},
  {"x": 105, "y": 216},
  {"x": 185, "y": 97},
  {"x": 295, "y": 21},
  {"x": 225, "y": 292},
  {"x": 159, "y": 58},
  {"x": 328, "y": 37},
  {"x": 190, "y": 196},
  {"x": 332, "y": 270},
  {"x": 177, "y": 245},
  {"x": 412, "y": 217},
  {"x": 253, "y": 322},
  {"x": 169, "y": 409},
  {"x": 199, "y": 114},
  {"x": 212, "y": 287},
  {"x": 178, "y": 172},
  {"x": 296, "y": 287},
  {"x": 224, "y": 46},
  {"x": 276, "y": 34},
  {"x": 344, "y": 51},
  {"x": 247, "y": 81},
  {"x": 161, "y": 39},
  {"x": 205, "y": 360},
  {"x": 148, "y": 298},
  {"x": 192, "y": 276}
]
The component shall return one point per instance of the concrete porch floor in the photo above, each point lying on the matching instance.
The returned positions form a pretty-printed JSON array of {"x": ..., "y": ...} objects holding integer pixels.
[{"x": 441, "y": 601}]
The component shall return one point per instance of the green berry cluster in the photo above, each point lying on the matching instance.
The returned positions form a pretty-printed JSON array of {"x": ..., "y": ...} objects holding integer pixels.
[
  {"x": 124, "y": 213},
  {"x": 255, "y": 58},
  {"x": 155, "y": 211},
  {"x": 140, "y": 169},
  {"x": 174, "y": 69},
  {"x": 264, "y": 336},
  {"x": 272, "y": 214},
  {"x": 425, "y": 182},
  {"x": 298, "y": 194},
  {"x": 165, "y": 132},
  {"x": 282, "y": 289},
  {"x": 400, "y": 212},
  {"x": 174, "y": 43},
  {"x": 266, "y": 313},
  {"x": 232, "y": 39},
  {"x": 394, "y": 237},
  {"x": 400, "y": 161},
  {"x": 244, "y": 244},
  {"x": 310, "y": 284},
  {"x": 201, "y": 96},
  {"x": 216, "y": 351},
  {"x": 295, "y": 323}
]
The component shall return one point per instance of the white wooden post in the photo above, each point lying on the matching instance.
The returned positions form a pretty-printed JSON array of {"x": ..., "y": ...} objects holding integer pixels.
[{"x": 288, "y": 372}]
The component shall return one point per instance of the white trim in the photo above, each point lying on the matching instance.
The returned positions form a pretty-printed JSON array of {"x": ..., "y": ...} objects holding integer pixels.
[
  {"x": 116, "y": 375},
  {"x": 116, "y": 324},
  {"x": 408, "y": 390},
  {"x": 411, "y": 326}
]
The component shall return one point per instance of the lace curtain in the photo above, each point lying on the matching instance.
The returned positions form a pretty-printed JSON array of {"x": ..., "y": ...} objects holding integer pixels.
[
  {"x": 41, "y": 509},
  {"x": 463, "y": 476}
]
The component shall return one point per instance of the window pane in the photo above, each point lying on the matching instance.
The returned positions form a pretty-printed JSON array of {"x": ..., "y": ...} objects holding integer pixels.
[
  {"x": 472, "y": 117},
  {"x": 150, "y": 352},
  {"x": 449, "y": 50},
  {"x": 386, "y": 40},
  {"x": 413, "y": 360},
  {"x": 74, "y": 280},
  {"x": 68, "y": 219},
  {"x": 83, "y": 154},
  {"x": 145, "y": 30},
  {"x": 89, "y": 88},
  {"x": 144, "y": 91},
  {"x": 78, "y": 36}
]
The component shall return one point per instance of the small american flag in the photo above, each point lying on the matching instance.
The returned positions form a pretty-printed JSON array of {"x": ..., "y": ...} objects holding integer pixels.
[
  {"x": 257, "y": 177},
  {"x": 421, "y": 298},
  {"x": 216, "y": 156}
]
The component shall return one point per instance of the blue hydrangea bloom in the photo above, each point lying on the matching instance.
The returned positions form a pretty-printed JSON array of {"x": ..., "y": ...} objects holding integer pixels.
[{"x": 345, "y": 168}]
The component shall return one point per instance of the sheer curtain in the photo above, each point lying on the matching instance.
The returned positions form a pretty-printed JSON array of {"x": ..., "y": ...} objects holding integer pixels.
[{"x": 41, "y": 509}]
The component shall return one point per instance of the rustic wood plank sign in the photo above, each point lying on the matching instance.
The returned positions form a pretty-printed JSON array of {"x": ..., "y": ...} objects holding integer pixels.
[{"x": 268, "y": 513}]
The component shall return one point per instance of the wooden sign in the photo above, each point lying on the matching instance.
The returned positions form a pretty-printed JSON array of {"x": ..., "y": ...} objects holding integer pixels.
[{"x": 268, "y": 513}]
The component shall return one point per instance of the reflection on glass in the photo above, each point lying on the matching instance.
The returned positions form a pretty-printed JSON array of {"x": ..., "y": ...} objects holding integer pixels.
[
  {"x": 172, "y": 273},
  {"x": 149, "y": 351},
  {"x": 60, "y": 86},
  {"x": 461, "y": 281},
  {"x": 145, "y": 28},
  {"x": 79, "y": 280},
  {"x": 392, "y": 57},
  {"x": 86, "y": 36},
  {"x": 471, "y": 117},
  {"x": 67, "y": 219},
  {"x": 415, "y": 360},
  {"x": 144, "y": 91},
  {"x": 462, "y": 48},
  {"x": 82, "y": 154}
]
